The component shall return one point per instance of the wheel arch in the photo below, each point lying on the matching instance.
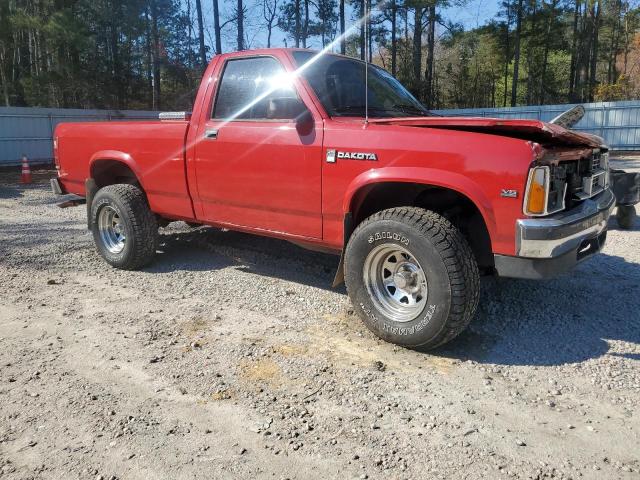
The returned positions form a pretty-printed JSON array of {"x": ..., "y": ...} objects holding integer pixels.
[
  {"x": 418, "y": 179},
  {"x": 108, "y": 167},
  {"x": 453, "y": 195}
]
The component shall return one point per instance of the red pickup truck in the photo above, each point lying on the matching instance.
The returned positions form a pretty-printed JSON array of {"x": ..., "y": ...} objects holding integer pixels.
[{"x": 295, "y": 144}]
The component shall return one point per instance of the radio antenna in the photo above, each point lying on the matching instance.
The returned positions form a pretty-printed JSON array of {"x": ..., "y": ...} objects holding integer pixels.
[{"x": 366, "y": 62}]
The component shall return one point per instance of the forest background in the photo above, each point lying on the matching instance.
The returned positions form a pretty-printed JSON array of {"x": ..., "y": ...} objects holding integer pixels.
[{"x": 150, "y": 54}]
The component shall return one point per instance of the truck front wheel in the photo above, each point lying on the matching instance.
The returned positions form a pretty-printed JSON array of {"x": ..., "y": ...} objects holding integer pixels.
[
  {"x": 412, "y": 277},
  {"x": 124, "y": 229}
]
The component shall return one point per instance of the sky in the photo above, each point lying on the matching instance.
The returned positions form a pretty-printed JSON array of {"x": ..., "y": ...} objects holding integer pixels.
[{"x": 473, "y": 13}]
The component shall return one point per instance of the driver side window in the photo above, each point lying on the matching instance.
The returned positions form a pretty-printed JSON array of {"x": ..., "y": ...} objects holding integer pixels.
[{"x": 256, "y": 89}]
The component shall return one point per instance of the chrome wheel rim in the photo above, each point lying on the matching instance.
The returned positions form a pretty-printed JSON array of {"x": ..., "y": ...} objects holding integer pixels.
[
  {"x": 111, "y": 229},
  {"x": 396, "y": 282}
]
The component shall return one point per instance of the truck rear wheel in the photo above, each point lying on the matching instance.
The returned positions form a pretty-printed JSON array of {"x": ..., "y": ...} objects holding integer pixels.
[
  {"x": 124, "y": 229},
  {"x": 412, "y": 277}
]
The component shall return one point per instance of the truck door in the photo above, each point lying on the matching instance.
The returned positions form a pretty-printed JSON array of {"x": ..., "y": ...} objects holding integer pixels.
[{"x": 255, "y": 166}]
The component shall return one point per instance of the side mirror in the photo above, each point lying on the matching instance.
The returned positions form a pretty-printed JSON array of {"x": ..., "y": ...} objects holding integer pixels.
[
  {"x": 305, "y": 123},
  {"x": 281, "y": 108},
  {"x": 291, "y": 107}
]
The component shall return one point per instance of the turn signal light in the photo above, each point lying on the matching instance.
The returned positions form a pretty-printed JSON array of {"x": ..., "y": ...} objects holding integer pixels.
[{"x": 537, "y": 191}]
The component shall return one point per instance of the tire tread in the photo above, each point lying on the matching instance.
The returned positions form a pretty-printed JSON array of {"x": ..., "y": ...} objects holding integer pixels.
[
  {"x": 143, "y": 222},
  {"x": 457, "y": 256}
]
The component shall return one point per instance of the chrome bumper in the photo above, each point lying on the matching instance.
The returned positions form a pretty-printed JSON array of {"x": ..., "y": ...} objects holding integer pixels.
[
  {"x": 563, "y": 232},
  {"x": 547, "y": 247}
]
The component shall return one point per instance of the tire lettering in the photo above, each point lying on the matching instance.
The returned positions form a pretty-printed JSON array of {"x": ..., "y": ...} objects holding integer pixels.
[
  {"x": 409, "y": 330},
  {"x": 388, "y": 236},
  {"x": 105, "y": 201}
]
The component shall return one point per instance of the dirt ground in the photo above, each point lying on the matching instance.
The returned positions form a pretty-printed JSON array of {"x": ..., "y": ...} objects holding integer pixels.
[{"x": 231, "y": 357}]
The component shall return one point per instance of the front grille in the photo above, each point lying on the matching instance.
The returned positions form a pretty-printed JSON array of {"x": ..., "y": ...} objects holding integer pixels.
[
  {"x": 592, "y": 185},
  {"x": 586, "y": 177}
]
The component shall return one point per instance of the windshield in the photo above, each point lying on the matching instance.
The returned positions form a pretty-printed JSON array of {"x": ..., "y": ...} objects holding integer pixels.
[{"x": 339, "y": 83}]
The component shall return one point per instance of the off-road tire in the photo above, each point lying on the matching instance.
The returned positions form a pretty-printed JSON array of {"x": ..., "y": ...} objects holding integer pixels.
[
  {"x": 448, "y": 263},
  {"x": 626, "y": 216},
  {"x": 139, "y": 225}
]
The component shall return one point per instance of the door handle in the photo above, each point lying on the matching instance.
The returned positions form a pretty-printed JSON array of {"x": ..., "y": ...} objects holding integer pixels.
[{"x": 211, "y": 134}]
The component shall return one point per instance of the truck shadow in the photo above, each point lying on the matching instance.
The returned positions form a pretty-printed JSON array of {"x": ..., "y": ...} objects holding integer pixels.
[
  {"x": 585, "y": 314},
  {"x": 566, "y": 320},
  {"x": 211, "y": 248}
]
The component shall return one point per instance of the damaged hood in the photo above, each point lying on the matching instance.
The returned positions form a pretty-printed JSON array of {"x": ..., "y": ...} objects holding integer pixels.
[{"x": 532, "y": 130}]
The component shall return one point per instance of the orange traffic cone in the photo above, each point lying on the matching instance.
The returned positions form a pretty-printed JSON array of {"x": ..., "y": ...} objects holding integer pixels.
[{"x": 26, "y": 171}]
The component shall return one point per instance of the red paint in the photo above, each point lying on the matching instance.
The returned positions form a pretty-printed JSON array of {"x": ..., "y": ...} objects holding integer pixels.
[{"x": 264, "y": 177}]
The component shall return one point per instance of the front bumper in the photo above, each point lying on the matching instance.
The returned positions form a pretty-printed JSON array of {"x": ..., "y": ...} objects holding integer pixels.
[{"x": 546, "y": 247}]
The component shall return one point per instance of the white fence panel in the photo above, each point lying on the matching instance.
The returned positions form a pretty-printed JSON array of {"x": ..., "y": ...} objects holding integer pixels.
[
  {"x": 29, "y": 131},
  {"x": 617, "y": 122}
]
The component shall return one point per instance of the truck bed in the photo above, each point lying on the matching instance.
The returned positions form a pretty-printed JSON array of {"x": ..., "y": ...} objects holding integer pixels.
[{"x": 154, "y": 151}]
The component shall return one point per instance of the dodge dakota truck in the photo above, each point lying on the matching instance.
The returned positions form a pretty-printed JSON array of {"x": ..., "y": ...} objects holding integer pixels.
[{"x": 327, "y": 152}]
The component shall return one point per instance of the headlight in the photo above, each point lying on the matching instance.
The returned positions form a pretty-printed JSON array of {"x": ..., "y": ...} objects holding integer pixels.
[{"x": 545, "y": 192}]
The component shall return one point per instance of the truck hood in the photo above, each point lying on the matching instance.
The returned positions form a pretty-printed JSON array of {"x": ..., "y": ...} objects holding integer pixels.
[{"x": 533, "y": 130}]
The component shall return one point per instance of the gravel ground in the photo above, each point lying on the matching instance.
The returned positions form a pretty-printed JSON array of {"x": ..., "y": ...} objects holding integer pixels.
[{"x": 231, "y": 357}]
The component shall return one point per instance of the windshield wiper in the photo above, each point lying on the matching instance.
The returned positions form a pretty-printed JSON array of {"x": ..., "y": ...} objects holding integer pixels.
[
  {"x": 360, "y": 109},
  {"x": 350, "y": 108},
  {"x": 408, "y": 109},
  {"x": 411, "y": 109}
]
